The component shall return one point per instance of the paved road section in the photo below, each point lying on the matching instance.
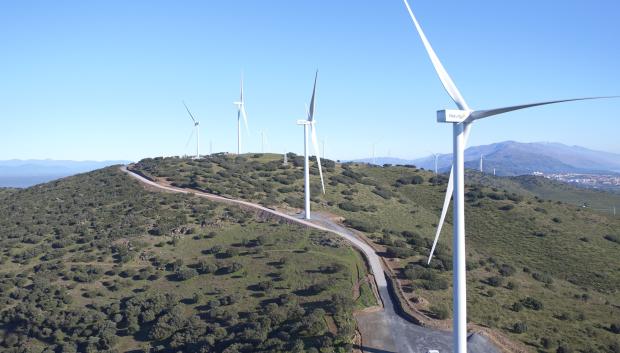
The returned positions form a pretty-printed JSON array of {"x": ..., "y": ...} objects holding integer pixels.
[{"x": 382, "y": 331}]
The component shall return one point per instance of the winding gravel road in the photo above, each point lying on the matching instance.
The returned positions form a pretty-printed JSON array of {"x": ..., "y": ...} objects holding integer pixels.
[{"x": 383, "y": 331}]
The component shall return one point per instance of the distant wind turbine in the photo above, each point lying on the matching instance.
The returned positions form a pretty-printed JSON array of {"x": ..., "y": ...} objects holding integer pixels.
[
  {"x": 241, "y": 112},
  {"x": 461, "y": 120},
  {"x": 373, "y": 153},
  {"x": 263, "y": 141},
  {"x": 310, "y": 122},
  {"x": 480, "y": 163},
  {"x": 196, "y": 130},
  {"x": 436, "y": 155}
]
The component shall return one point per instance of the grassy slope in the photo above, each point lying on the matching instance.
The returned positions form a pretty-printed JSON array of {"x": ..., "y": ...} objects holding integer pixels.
[
  {"x": 81, "y": 219},
  {"x": 602, "y": 201},
  {"x": 554, "y": 240}
]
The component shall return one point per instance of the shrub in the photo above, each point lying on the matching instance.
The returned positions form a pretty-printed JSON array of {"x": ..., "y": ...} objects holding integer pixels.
[
  {"x": 506, "y": 270},
  {"x": 516, "y": 307},
  {"x": 441, "y": 312},
  {"x": 185, "y": 273},
  {"x": 349, "y": 206},
  {"x": 360, "y": 225},
  {"x": 393, "y": 251},
  {"x": 384, "y": 193},
  {"x": 543, "y": 277},
  {"x": 417, "y": 179},
  {"x": 564, "y": 348},
  {"x": 318, "y": 287},
  {"x": 512, "y": 285},
  {"x": 506, "y": 207},
  {"x": 613, "y": 238},
  {"x": 615, "y": 327},
  {"x": 532, "y": 303},
  {"x": 519, "y": 327},
  {"x": 437, "y": 284},
  {"x": 495, "y": 281}
]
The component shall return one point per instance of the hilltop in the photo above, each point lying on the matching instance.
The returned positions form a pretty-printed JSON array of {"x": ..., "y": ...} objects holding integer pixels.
[
  {"x": 95, "y": 262},
  {"x": 24, "y": 173},
  {"x": 526, "y": 254}
]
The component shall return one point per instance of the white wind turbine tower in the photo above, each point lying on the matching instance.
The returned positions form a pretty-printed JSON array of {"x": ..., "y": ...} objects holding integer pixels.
[
  {"x": 480, "y": 163},
  {"x": 310, "y": 122},
  {"x": 263, "y": 141},
  {"x": 436, "y": 155},
  {"x": 461, "y": 120},
  {"x": 241, "y": 112},
  {"x": 197, "y": 131}
]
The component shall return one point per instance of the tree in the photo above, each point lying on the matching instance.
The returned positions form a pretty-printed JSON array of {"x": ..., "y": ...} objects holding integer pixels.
[{"x": 185, "y": 273}]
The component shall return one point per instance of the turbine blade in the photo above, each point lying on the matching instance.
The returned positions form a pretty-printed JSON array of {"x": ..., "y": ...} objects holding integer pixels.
[
  {"x": 245, "y": 119},
  {"x": 312, "y": 101},
  {"x": 317, "y": 154},
  {"x": 480, "y": 114},
  {"x": 190, "y": 113},
  {"x": 241, "y": 97},
  {"x": 444, "y": 211},
  {"x": 447, "y": 82},
  {"x": 190, "y": 138},
  {"x": 446, "y": 201}
]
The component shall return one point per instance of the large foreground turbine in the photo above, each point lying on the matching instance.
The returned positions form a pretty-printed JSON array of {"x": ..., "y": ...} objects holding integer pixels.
[
  {"x": 310, "y": 123},
  {"x": 196, "y": 130},
  {"x": 241, "y": 112},
  {"x": 461, "y": 121}
]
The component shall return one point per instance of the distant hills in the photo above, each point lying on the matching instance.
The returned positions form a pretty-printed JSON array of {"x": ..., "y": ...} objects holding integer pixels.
[
  {"x": 24, "y": 173},
  {"x": 511, "y": 158}
]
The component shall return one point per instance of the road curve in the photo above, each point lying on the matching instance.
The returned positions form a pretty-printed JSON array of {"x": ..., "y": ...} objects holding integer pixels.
[
  {"x": 382, "y": 331},
  {"x": 373, "y": 258}
]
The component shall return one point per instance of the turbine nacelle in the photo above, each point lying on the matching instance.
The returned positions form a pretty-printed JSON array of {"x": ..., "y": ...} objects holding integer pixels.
[
  {"x": 305, "y": 122},
  {"x": 452, "y": 115}
]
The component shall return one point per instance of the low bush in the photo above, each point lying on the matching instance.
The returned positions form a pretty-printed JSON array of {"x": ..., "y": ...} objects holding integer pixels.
[{"x": 440, "y": 312}]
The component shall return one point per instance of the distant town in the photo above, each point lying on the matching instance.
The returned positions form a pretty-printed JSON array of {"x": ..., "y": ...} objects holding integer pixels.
[{"x": 595, "y": 181}]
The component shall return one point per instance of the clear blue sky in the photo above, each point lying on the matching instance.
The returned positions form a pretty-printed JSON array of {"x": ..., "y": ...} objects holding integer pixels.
[{"x": 105, "y": 79}]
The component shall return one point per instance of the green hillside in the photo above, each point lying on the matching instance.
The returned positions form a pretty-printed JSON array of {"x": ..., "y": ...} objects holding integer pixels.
[
  {"x": 96, "y": 263},
  {"x": 597, "y": 200},
  {"x": 545, "y": 273}
]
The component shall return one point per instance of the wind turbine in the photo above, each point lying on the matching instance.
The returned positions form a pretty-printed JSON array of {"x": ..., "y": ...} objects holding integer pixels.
[
  {"x": 480, "y": 163},
  {"x": 263, "y": 141},
  {"x": 241, "y": 112},
  {"x": 197, "y": 130},
  {"x": 436, "y": 155},
  {"x": 373, "y": 153},
  {"x": 310, "y": 122},
  {"x": 461, "y": 121}
]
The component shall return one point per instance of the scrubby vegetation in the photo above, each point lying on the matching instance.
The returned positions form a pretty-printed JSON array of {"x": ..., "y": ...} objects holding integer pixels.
[
  {"x": 96, "y": 263},
  {"x": 531, "y": 274}
]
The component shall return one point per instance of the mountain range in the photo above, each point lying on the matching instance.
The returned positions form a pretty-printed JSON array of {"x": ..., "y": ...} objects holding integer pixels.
[
  {"x": 511, "y": 158},
  {"x": 24, "y": 173}
]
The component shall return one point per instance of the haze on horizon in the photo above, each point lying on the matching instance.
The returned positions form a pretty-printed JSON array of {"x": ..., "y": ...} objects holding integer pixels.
[{"x": 106, "y": 81}]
